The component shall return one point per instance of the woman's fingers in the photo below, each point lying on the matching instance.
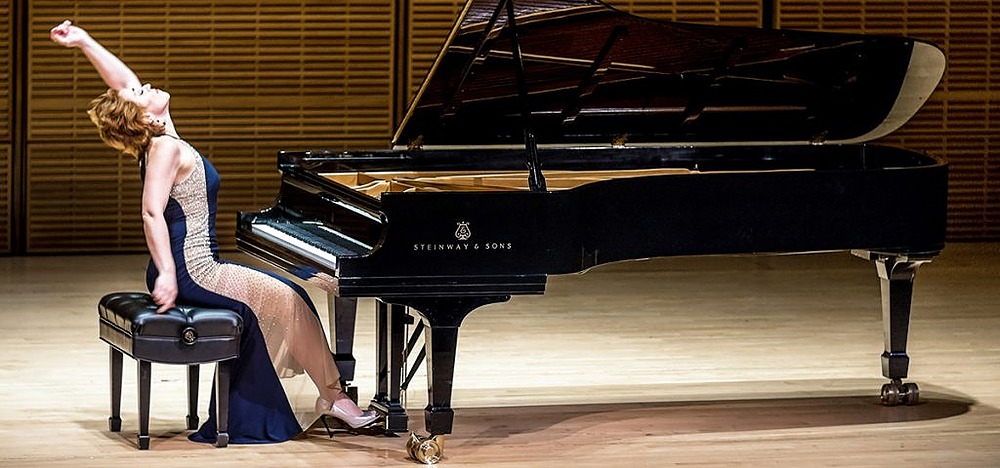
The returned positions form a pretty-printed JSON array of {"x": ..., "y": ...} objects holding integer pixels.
[{"x": 60, "y": 31}]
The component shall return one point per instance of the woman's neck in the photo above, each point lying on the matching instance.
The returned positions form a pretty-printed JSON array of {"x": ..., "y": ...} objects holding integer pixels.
[{"x": 168, "y": 129}]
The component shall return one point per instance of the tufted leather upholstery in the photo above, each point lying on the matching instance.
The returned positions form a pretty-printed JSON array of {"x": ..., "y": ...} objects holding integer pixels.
[{"x": 182, "y": 335}]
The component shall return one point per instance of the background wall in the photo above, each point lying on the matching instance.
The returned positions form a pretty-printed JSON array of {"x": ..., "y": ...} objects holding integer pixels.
[
  {"x": 252, "y": 77},
  {"x": 6, "y": 116}
]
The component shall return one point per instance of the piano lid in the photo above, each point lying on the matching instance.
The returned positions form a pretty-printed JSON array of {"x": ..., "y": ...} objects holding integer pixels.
[{"x": 594, "y": 75}]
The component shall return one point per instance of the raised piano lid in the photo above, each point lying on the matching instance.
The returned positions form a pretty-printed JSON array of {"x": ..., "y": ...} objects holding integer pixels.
[{"x": 596, "y": 75}]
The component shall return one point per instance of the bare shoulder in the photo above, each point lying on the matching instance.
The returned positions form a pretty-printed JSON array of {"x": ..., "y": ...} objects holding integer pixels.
[
  {"x": 169, "y": 157},
  {"x": 164, "y": 149}
]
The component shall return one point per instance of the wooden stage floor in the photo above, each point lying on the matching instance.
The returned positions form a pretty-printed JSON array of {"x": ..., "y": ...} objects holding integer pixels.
[{"x": 717, "y": 361}]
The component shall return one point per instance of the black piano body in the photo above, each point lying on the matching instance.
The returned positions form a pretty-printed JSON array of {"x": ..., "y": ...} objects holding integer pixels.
[
  {"x": 555, "y": 136},
  {"x": 721, "y": 200}
]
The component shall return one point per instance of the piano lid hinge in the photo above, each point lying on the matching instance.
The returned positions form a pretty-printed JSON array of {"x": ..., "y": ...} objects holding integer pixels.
[
  {"x": 588, "y": 259},
  {"x": 619, "y": 141},
  {"x": 416, "y": 144},
  {"x": 819, "y": 138}
]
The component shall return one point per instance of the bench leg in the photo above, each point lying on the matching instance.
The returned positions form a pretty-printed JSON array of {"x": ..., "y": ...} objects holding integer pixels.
[
  {"x": 192, "y": 417},
  {"x": 222, "y": 403},
  {"x": 144, "y": 378},
  {"x": 115, "y": 421}
]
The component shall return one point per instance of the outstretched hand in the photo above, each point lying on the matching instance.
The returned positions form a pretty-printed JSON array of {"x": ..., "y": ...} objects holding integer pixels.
[{"x": 68, "y": 35}]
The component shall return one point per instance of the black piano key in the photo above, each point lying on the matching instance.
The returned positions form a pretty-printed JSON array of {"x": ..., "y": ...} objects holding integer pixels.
[{"x": 318, "y": 237}]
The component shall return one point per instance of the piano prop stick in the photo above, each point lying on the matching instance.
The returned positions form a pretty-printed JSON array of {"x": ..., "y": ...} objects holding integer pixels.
[{"x": 550, "y": 136}]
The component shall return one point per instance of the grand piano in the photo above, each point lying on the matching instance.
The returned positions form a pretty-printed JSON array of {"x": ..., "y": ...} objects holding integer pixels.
[{"x": 554, "y": 136}]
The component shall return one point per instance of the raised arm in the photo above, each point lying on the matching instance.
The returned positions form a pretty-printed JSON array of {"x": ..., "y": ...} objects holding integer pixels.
[{"x": 115, "y": 73}]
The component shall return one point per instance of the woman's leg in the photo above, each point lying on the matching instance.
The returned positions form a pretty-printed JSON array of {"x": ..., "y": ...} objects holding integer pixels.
[{"x": 292, "y": 330}]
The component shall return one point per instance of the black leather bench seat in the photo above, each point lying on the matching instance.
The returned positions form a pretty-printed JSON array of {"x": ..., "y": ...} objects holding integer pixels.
[
  {"x": 184, "y": 335},
  {"x": 181, "y": 335}
]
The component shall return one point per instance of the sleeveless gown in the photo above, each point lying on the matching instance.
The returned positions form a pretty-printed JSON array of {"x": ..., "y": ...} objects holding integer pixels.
[{"x": 271, "y": 398}]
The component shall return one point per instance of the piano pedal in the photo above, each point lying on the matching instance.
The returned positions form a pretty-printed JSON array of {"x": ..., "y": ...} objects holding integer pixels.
[{"x": 337, "y": 425}]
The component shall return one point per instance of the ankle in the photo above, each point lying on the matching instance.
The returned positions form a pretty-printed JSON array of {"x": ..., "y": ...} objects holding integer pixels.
[{"x": 334, "y": 395}]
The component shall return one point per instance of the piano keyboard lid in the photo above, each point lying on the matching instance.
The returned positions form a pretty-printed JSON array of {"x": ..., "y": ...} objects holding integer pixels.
[{"x": 578, "y": 72}]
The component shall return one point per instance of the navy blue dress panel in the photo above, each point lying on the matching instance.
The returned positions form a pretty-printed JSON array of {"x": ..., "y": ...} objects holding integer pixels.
[{"x": 259, "y": 409}]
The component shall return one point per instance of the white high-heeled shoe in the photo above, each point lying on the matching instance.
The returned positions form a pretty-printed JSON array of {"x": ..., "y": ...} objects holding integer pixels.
[{"x": 329, "y": 408}]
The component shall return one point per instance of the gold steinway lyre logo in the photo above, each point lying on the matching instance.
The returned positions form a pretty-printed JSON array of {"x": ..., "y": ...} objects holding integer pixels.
[{"x": 463, "y": 232}]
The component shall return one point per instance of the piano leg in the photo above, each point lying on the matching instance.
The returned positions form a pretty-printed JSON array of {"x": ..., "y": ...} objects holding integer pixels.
[
  {"x": 343, "y": 313},
  {"x": 443, "y": 317},
  {"x": 896, "y": 275},
  {"x": 390, "y": 323}
]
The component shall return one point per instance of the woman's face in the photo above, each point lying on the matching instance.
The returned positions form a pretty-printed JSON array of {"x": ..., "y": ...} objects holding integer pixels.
[{"x": 151, "y": 100}]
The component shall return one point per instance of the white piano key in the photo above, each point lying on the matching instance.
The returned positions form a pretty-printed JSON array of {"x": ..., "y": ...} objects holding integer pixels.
[{"x": 310, "y": 251}]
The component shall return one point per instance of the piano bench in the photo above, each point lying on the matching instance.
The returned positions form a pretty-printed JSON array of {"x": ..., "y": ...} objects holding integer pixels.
[{"x": 185, "y": 335}]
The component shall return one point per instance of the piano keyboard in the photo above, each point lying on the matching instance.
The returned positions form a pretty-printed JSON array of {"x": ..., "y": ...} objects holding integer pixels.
[{"x": 311, "y": 240}]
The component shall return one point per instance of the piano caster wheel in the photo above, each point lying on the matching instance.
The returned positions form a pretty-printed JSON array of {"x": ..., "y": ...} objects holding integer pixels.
[
  {"x": 896, "y": 392},
  {"x": 911, "y": 394},
  {"x": 425, "y": 450}
]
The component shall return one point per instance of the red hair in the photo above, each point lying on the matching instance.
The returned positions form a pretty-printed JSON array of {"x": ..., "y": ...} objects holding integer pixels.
[{"x": 122, "y": 124}]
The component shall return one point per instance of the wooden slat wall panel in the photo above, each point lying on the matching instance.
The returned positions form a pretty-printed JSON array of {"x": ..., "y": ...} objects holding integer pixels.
[
  {"x": 5, "y": 198},
  {"x": 6, "y": 139},
  {"x": 82, "y": 199},
  {"x": 247, "y": 78},
  {"x": 961, "y": 123},
  {"x": 65, "y": 207},
  {"x": 430, "y": 23},
  {"x": 6, "y": 81}
]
